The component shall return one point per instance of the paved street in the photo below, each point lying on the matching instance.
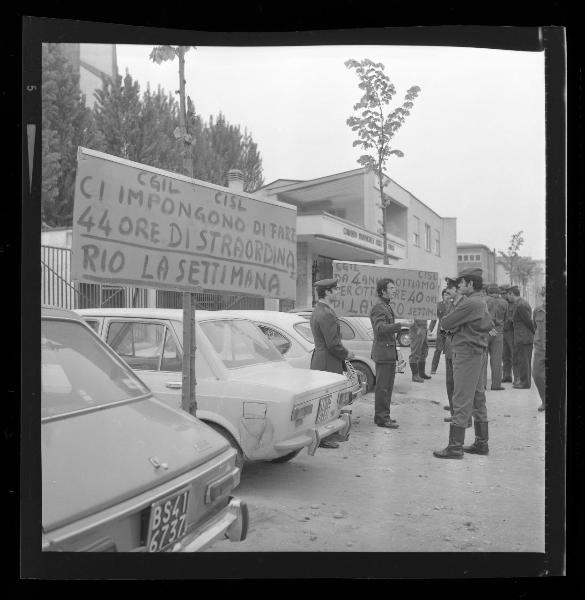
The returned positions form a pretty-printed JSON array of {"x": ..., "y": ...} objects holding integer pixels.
[{"x": 383, "y": 490}]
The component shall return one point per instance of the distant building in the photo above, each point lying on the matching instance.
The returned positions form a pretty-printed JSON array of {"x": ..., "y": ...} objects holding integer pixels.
[
  {"x": 477, "y": 255},
  {"x": 92, "y": 62},
  {"x": 338, "y": 218}
]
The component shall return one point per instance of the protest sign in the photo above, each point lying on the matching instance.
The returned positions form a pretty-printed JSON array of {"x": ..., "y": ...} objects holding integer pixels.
[
  {"x": 417, "y": 292},
  {"x": 141, "y": 226}
]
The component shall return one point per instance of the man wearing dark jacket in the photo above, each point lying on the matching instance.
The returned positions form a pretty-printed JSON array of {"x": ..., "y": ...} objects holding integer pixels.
[
  {"x": 384, "y": 351},
  {"x": 508, "y": 365},
  {"x": 523, "y": 339},
  {"x": 539, "y": 360},
  {"x": 469, "y": 323},
  {"x": 497, "y": 308},
  {"x": 330, "y": 353}
]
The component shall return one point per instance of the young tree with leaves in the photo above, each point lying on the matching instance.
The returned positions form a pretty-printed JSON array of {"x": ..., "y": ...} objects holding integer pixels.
[{"x": 376, "y": 124}]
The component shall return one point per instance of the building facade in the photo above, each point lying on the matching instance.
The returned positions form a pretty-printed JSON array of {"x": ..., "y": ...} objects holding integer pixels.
[
  {"x": 478, "y": 255},
  {"x": 339, "y": 218},
  {"x": 92, "y": 62}
]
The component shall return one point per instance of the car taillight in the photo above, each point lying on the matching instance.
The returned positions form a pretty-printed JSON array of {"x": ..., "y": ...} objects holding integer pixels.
[
  {"x": 221, "y": 486},
  {"x": 301, "y": 411}
]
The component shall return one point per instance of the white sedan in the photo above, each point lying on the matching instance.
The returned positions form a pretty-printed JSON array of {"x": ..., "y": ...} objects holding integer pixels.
[{"x": 267, "y": 409}]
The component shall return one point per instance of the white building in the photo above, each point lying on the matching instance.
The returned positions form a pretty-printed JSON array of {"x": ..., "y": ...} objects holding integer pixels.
[{"x": 339, "y": 218}]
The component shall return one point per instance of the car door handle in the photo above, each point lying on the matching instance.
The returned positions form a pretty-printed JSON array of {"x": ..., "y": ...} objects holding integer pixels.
[{"x": 174, "y": 385}]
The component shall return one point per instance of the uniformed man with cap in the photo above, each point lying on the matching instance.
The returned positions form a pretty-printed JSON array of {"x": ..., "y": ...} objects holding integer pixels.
[
  {"x": 330, "y": 353},
  {"x": 508, "y": 368},
  {"x": 523, "y": 339},
  {"x": 384, "y": 351},
  {"x": 469, "y": 323},
  {"x": 497, "y": 308}
]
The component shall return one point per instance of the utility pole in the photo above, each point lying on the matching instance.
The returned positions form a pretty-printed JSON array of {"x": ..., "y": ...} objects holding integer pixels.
[{"x": 188, "y": 396}]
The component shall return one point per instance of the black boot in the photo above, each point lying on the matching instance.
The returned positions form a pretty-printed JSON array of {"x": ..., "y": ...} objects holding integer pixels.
[
  {"x": 421, "y": 370},
  {"x": 455, "y": 447},
  {"x": 480, "y": 446},
  {"x": 415, "y": 375}
]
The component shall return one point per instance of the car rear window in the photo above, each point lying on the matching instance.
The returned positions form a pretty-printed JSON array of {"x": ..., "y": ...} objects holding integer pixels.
[
  {"x": 305, "y": 330},
  {"x": 240, "y": 343},
  {"x": 77, "y": 371}
]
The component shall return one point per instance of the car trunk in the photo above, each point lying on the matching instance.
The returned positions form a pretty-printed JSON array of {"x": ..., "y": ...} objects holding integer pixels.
[
  {"x": 299, "y": 381},
  {"x": 96, "y": 460}
]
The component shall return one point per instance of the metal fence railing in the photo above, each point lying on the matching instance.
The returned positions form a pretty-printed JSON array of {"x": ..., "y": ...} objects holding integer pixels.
[{"x": 58, "y": 289}]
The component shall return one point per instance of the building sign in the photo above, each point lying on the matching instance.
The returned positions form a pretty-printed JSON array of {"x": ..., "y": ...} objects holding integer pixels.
[
  {"x": 141, "y": 226},
  {"x": 417, "y": 291}
]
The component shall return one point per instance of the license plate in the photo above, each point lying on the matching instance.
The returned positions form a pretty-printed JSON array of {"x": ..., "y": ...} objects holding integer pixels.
[
  {"x": 168, "y": 521},
  {"x": 323, "y": 412}
]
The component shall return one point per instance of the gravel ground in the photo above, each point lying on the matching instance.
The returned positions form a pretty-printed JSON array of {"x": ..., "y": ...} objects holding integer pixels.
[{"x": 383, "y": 491}]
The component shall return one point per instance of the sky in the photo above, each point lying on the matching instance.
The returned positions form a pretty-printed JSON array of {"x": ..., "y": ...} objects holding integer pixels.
[{"x": 474, "y": 143}]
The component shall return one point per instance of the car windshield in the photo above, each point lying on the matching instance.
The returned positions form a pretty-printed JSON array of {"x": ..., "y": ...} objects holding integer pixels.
[
  {"x": 305, "y": 330},
  {"x": 366, "y": 325},
  {"x": 240, "y": 343},
  {"x": 77, "y": 372}
]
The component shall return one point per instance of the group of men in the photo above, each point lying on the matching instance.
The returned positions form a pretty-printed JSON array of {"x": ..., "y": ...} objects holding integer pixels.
[{"x": 477, "y": 324}]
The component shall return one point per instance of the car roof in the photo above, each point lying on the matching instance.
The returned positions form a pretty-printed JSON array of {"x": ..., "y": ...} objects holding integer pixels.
[
  {"x": 173, "y": 314},
  {"x": 58, "y": 312},
  {"x": 273, "y": 316}
]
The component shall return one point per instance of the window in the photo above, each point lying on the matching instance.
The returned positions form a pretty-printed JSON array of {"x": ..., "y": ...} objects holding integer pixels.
[
  {"x": 478, "y": 257},
  {"x": 171, "y": 360},
  {"x": 465, "y": 258},
  {"x": 427, "y": 237},
  {"x": 239, "y": 343},
  {"x": 459, "y": 257},
  {"x": 281, "y": 342},
  {"x": 77, "y": 372},
  {"x": 305, "y": 330},
  {"x": 437, "y": 242},
  {"x": 347, "y": 333},
  {"x": 139, "y": 344},
  {"x": 95, "y": 325},
  {"x": 416, "y": 232},
  {"x": 337, "y": 212}
]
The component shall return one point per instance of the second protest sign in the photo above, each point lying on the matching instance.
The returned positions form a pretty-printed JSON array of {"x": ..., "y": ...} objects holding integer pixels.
[{"x": 417, "y": 292}]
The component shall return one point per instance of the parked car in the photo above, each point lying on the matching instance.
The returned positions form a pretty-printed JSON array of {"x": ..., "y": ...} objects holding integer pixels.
[
  {"x": 362, "y": 325},
  {"x": 121, "y": 470},
  {"x": 291, "y": 334},
  {"x": 246, "y": 390},
  {"x": 357, "y": 336}
]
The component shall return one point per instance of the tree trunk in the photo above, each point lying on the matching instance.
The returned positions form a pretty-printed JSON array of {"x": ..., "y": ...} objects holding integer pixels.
[{"x": 380, "y": 176}]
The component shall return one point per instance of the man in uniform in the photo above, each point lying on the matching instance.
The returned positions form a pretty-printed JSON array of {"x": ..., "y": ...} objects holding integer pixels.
[
  {"x": 440, "y": 343},
  {"x": 497, "y": 308},
  {"x": 384, "y": 351},
  {"x": 330, "y": 353},
  {"x": 450, "y": 294},
  {"x": 469, "y": 323},
  {"x": 523, "y": 339},
  {"x": 419, "y": 350},
  {"x": 508, "y": 339},
  {"x": 539, "y": 359}
]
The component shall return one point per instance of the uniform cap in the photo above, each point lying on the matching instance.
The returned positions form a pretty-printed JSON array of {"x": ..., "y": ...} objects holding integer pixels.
[
  {"x": 492, "y": 288},
  {"x": 450, "y": 281},
  {"x": 472, "y": 272},
  {"x": 513, "y": 288},
  {"x": 504, "y": 288},
  {"x": 326, "y": 283}
]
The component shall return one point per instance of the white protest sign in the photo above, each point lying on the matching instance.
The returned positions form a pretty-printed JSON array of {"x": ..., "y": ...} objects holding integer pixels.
[
  {"x": 141, "y": 226},
  {"x": 417, "y": 292}
]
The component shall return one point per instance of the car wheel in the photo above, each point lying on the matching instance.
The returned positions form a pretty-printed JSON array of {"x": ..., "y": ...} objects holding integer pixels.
[
  {"x": 228, "y": 436},
  {"x": 404, "y": 338},
  {"x": 286, "y": 457},
  {"x": 367, "y": 372}
]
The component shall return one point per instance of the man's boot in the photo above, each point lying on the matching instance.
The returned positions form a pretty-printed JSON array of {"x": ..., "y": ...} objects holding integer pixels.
[
  {"x": 415, "y": 375},
  {"x": 455, "y": 447},
  {"x": 480, "y": 446},
  {"x": 421, "y": 370}
]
